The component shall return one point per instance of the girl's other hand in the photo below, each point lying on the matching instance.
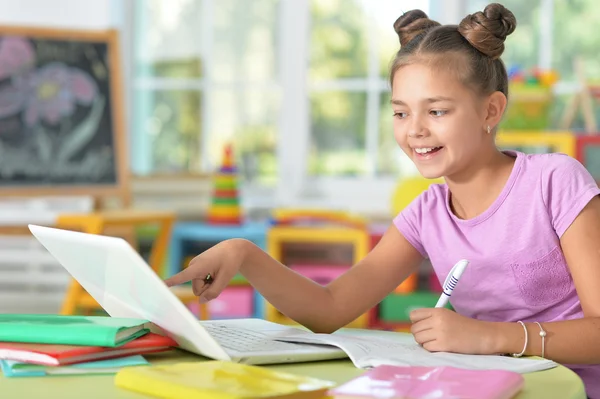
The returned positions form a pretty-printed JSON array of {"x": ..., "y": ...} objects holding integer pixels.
[{"x": 442, "y": 330}]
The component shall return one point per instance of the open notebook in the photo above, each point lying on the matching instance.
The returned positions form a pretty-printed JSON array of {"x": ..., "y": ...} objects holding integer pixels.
[{"x": 369, "y": 349}]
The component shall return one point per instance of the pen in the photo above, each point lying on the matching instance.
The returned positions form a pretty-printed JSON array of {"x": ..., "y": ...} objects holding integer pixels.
[{"x": 451, "y": 281}]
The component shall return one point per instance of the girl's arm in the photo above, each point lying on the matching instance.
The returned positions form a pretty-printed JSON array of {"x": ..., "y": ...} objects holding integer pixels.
[
  {"x": 328, "y": 308},
  {"x": 571, "y": 341},
  {"x": 568, "y": 342}
]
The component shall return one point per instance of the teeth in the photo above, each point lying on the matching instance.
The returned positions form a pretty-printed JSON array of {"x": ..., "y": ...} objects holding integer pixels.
[{"x": 425, "y": 150}]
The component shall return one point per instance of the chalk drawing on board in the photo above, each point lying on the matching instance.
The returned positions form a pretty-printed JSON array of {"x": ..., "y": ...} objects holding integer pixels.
[{"x": 60, "y": 113}]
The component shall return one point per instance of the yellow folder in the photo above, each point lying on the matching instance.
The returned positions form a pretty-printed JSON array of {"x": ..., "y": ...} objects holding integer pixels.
[{"x": 219, "y": 380}]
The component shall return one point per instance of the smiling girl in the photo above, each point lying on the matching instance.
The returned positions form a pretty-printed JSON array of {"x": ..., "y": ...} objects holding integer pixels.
[{"x": 528, "y": 224}]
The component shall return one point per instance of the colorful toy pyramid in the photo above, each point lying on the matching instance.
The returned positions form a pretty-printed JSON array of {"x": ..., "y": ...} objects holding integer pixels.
[{"x": 225, "y": 203}]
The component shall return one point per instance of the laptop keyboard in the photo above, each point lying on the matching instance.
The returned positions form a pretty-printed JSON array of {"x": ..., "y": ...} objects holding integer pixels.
[{"x": 242, "y": 340}]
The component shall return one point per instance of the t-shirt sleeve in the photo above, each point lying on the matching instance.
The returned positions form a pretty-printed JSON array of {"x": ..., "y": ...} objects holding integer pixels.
[
  {"x": 567, "y": 187},
  {"x": 409, "y": 222}
]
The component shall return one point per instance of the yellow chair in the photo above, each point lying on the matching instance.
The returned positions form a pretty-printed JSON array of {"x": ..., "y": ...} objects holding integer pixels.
[
  {"x": 337, "y": 228},
  {"x": 409, "y": 189},
  {"x": 100, "y": 221}
]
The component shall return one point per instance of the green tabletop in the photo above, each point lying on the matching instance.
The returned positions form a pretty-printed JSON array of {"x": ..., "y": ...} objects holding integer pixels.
[{"x": 559, "y": 382}]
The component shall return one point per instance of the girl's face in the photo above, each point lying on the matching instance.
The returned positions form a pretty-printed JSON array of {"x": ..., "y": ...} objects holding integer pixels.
[{"x": 438, "y": 122}]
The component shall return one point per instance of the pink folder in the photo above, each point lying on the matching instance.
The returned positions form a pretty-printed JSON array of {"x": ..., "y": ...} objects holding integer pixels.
[{"x": 397, "y": 382}]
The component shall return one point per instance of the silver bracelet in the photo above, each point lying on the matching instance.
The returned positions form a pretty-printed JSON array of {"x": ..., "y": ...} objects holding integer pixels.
[
  {"x": 526, "y": 341},
  {"x": 543, "y": 335}
]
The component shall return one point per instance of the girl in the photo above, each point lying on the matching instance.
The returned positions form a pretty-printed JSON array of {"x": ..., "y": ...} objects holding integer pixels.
[{"x": 528, "y": 224}]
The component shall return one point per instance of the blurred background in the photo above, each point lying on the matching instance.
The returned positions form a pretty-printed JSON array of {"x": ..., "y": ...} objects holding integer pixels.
[
  {"x": 236, "y": 118},
  {"x": 302, "y": 88}
]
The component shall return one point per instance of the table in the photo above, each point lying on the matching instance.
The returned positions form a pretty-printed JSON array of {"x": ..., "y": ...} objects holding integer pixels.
[{"x": 559, "y": 382}]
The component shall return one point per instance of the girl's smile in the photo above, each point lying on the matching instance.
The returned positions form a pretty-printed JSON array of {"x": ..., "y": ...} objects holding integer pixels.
[{"x": 426, "y": 153}]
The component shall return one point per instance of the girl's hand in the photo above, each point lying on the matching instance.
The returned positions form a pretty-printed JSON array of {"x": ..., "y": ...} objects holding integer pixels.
[
  {"x": 211, "y": 271},
  {"x": 442, "y": 330}
]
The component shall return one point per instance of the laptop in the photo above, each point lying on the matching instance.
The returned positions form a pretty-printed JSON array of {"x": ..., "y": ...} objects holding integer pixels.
[{"x": 123, "y": 283}]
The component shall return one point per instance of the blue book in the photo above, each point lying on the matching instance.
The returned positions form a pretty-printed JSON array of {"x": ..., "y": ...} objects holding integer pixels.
[{"x": 11, "y": 368}]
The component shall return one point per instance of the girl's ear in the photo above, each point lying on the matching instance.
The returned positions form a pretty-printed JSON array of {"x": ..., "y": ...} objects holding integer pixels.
[{"x": 496, "y": 104}]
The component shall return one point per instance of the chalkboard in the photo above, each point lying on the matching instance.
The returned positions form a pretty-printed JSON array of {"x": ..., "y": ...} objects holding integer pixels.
[{"x": 61, "y": 122}]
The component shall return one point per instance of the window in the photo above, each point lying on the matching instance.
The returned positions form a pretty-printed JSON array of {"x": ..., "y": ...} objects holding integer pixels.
[
  {"x": 574, "y": 34},
  {"x": 353, "y": 161},
  {"x": 206, "y": 73},
  {"x": 352, "y": 43},
  {"x": 209, "y": 71},
  {"x": 302, "y": 88}
]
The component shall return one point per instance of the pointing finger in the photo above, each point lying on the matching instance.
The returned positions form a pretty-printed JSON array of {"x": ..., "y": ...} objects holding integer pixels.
[{"x": 187, "y": 274}]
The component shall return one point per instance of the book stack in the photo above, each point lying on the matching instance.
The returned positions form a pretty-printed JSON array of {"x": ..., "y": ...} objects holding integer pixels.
[
  {"x": 39, "y": 345},
  {"x": 225, "y": 203}
]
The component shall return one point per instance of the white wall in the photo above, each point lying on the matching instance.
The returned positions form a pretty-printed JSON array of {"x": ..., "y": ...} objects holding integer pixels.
[{"x": 77, "y": 14}]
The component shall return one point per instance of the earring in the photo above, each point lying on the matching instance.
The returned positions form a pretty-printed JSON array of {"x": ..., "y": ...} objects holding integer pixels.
[{"x": 488, "y": 129}]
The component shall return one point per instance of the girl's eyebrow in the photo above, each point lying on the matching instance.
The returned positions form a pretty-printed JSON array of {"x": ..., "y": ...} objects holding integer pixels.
[
  {"x": 429, "y": 100},
  {"x": 438, "y": 99}
]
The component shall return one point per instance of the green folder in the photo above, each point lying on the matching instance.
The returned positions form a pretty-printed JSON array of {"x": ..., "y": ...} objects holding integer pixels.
[{"x": 70, "y": 330}]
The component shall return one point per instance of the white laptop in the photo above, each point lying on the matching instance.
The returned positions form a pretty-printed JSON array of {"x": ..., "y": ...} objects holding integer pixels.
[{"x": 125, "y": 286}]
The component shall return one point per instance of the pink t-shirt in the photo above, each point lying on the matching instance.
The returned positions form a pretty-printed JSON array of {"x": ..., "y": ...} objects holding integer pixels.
[{"x": 517, "y": 270}]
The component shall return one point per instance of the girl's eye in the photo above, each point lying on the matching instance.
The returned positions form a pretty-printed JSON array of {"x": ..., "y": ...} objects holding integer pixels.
[
  {"x": 400, "y": 115},
  {"x": 438, "y": 112}
]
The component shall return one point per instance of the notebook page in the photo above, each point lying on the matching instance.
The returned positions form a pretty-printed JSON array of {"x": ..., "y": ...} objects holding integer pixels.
[{"x": 370, "y": 351}]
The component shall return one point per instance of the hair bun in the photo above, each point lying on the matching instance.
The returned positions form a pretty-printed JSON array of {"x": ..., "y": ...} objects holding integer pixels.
[
  {"x": 411, "y": 24},
  {"x": 487, "y": 30}
]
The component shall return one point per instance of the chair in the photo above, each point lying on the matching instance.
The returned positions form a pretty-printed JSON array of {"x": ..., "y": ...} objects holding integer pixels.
[
  {"x": 311, "y": 227},
  {"x": 98, "y": 223}
]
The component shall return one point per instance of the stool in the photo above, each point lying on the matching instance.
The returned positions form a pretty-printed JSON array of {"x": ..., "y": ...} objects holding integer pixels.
[{"x": 97, "y": 223}]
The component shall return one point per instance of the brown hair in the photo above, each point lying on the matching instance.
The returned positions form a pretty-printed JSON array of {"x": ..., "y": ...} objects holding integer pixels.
[{"x": 471, "y": 49}]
